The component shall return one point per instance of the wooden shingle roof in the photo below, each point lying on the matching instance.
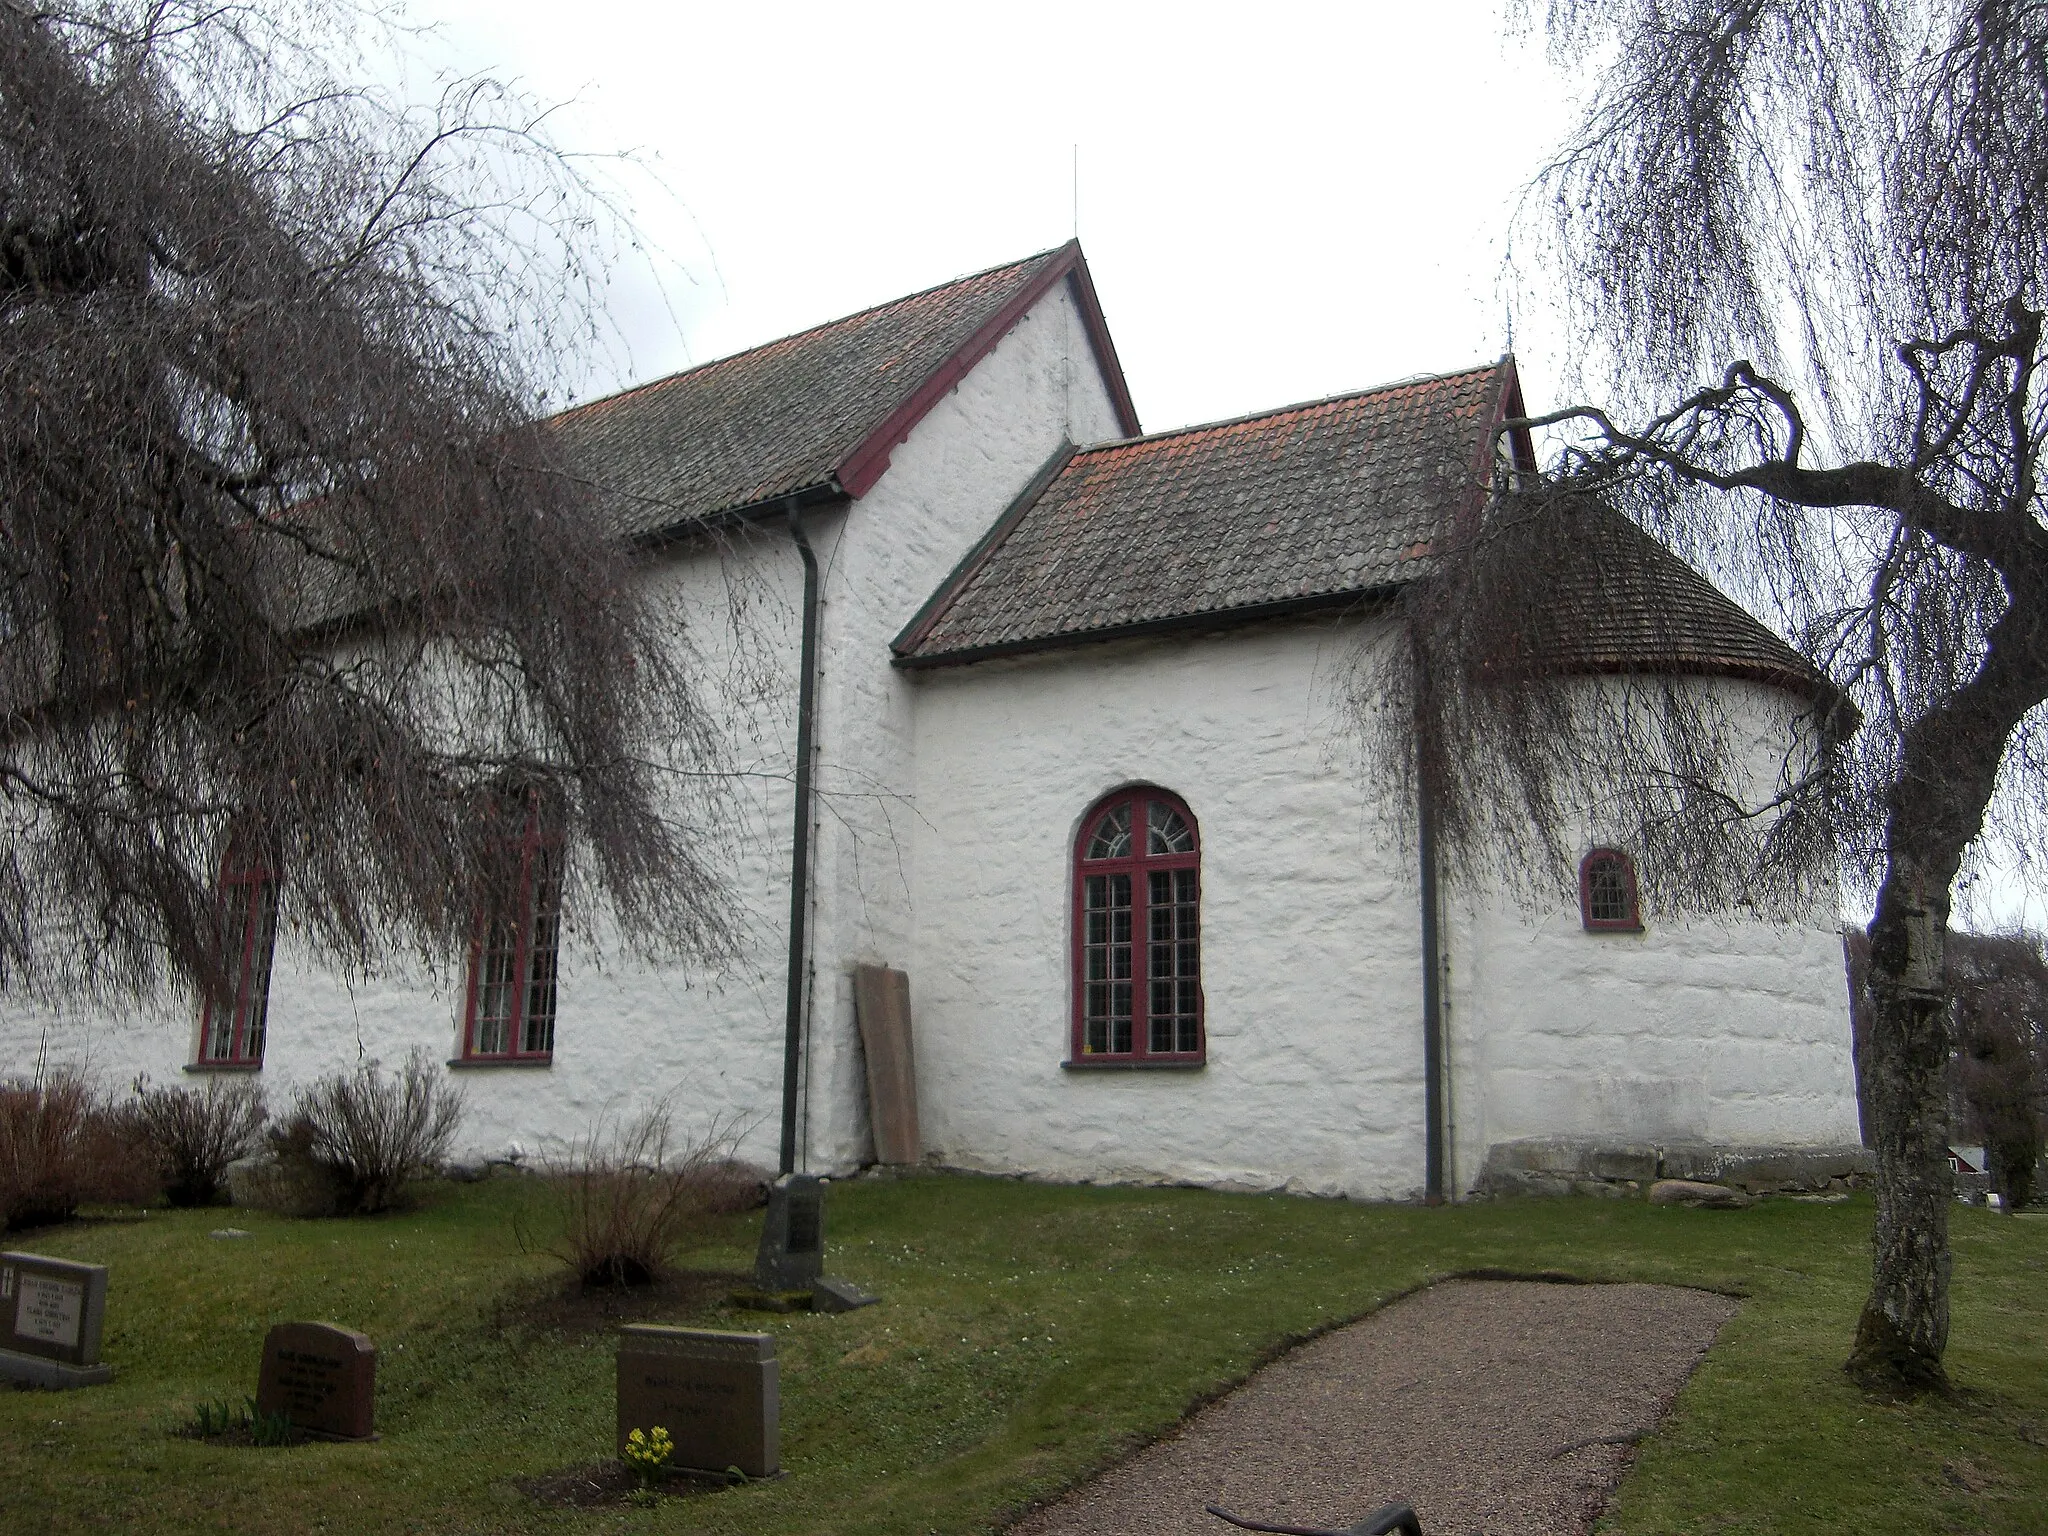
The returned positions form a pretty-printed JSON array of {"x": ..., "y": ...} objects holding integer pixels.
[
  {"x": 816, "y": 413},
  {"x": 1616, "y": 600}
]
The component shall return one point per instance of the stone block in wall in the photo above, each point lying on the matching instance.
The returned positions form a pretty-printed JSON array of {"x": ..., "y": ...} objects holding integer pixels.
[
  {"x": 1537, "y": 1154},
  {"x": 1793, "y": 1170},
  {"x": 1699, "y": 1161},
  {"x": 1552, "y": 1165},
  {"x": 1622, "y": 1161}
]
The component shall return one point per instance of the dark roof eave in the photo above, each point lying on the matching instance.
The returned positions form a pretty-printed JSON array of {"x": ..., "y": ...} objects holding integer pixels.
[
  {"x": 1207, "y": 619},
  {"x": 1838, "y": 713},
  {"x": 823, "y": 493}
]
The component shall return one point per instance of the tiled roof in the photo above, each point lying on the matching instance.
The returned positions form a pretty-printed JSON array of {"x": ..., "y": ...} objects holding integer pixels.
[
  {"x": 1316, "y": 501},
  {"x": 818, "y": 410},
  {"x": 1327, "y": 503}
]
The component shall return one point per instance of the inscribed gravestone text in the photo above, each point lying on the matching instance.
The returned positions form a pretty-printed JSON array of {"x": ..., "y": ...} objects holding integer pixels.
[
  {"x": 324, "y": 1379},
  {"x": 716, "y": 1393},
  {"x": 51, "y": 1308}
]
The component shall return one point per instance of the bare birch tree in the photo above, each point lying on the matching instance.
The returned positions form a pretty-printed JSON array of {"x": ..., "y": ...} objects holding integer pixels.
[
  {"x": 284, "y": 560},
  {"x": 1831, "y": 215}
]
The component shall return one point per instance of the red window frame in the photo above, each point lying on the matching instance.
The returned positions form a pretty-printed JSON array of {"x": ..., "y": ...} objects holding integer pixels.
[
  {"x": 509, "y": 1001},
  {"x": 233, "y": 1030},
  {"x": 1627, "y": 916},
  {"x": 1165, "y": 933}
]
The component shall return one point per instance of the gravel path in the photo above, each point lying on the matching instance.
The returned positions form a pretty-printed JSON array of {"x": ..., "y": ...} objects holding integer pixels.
[{"x": 1496, "y": 1408}]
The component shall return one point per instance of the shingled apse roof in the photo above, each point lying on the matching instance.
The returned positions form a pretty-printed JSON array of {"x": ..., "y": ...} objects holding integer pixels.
[
  {"x": 1620, "y": 601},
  {"x": 1314, "y": 506},
  {"x": 815, "y": 413}
]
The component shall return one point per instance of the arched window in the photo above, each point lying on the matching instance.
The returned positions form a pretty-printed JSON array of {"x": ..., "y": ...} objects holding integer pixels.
[
  {"x": 232, "y": 1026},
  {"x": 1607, "y": 892},
  {"x": 509, "y": 1013},
  {"x": 1138, "y": 933}
]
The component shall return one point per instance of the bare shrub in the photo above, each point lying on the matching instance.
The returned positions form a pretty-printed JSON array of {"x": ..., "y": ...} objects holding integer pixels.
[
  {"x": 353, "y": 1143},
  {"x": 632, "y": 1192},
  {"x": 193, "y": 1134},
  {"x": 62, "y": 1146}
]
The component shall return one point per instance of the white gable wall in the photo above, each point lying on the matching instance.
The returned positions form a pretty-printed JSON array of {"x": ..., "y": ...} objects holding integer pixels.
[
  {"x": 958, "y": 471},
  {"x": 1311, "y": 965}
]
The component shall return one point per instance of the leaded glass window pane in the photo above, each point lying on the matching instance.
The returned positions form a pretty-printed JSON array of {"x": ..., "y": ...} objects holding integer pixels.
[
  {"x": 1112, "y": 838},
  {"x": 1168, "y": 831},
  {"x": 1173, "y": 962},
  {"x": 537, "y": 1030},
  {"x": 1609, "y": 894},
  {"x": 1106, "y": 963}
]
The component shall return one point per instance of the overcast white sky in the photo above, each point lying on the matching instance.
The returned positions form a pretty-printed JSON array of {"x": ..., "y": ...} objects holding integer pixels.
[{"x": 1278, "y": 201}]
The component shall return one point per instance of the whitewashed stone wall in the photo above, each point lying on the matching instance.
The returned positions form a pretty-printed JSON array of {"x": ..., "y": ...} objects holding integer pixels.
[
  {"x": 630, "y": 1028},
  {"x": 947, "y": 484},
  {"x": 1311, "y": 965},
  {"x": 1730, "y": 1032}
]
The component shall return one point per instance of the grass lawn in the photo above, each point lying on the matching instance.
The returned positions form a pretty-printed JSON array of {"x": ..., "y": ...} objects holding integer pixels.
[{"x": 1028, "y": 1334}]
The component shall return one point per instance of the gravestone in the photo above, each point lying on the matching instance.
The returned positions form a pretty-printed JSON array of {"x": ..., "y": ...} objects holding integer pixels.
[
  {"x": 792, "y": 1252},
  {"x": 881, "y": 1004},
  {"x": 324, "y": 1379},
  {"x": 718, "y": 1395},
  {"x": 51, "y": 1312}
]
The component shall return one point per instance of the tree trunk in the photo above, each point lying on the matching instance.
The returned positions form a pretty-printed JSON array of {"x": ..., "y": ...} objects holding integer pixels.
[
  {"x": 1948, "y": 769},
  {"x": 1904, "y": 1327}
]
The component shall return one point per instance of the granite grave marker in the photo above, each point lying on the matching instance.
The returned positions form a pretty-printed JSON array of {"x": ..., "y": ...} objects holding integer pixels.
[
  {"x": 792, "y": 1252},
  {"x": 717, "y": 1393},
  {"x": 323, "y": 1378},
  {"x": 51, "y": 1313}
]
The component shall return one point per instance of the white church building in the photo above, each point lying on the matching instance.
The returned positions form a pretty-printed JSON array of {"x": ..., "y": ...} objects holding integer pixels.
[{"x": 1078, "y": 761}]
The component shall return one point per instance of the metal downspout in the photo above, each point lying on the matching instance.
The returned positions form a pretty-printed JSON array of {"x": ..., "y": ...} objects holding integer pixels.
[
  {"x": 800, "y": 841},
  {"x": 1432, "y": 1002}
]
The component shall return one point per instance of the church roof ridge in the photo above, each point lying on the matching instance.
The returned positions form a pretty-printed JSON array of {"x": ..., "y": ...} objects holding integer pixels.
[
  {"x": 1342, "y": 397},
  {"x": 601, "y": 402},
  {"x": 814, "y": 414}
]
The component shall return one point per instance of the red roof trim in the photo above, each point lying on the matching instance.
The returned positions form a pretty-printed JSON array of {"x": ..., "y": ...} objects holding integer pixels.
[
  {"x": 860, "y": 470},
  {"x": 1507, "y": 404}
]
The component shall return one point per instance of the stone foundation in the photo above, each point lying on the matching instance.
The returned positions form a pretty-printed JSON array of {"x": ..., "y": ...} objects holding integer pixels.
[{"x": 1561, "y": 1165}]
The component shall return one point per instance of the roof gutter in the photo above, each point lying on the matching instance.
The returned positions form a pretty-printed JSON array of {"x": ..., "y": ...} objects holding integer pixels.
[
  {"x": 800, "y": 838},
  {"x": 776, "y": 508},
  {"x": 1351, "y": 600}
]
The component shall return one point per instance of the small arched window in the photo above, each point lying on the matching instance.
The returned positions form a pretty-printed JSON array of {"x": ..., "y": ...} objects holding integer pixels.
[
  {"x": 1608, "y": 902},
  {"x": 1138, "y": 933}
]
